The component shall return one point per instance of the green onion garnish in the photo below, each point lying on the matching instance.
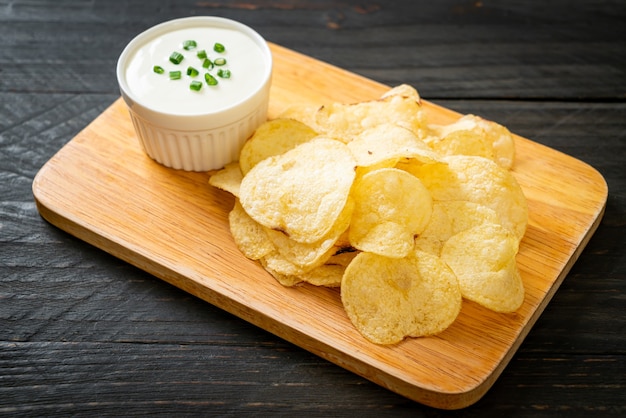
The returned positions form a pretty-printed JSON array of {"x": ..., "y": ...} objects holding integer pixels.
[
  {"x": 210, "y": 80},
  {"x": 218, "y": 47},
  {"x": 201, "y": 54},
  {"x": 188, "y": 45},
  {"x": 223, "y": 73},
  {"x": 176, "y": 57},
  {"x": 220, "y": 61},
  {"x": 192, "y": 72},
  {"x": 195, "y": 85},
  {"x": 207, "y": 64},
  {"x": 158, "y": 69},
  {"x": 175, "y": 75}
]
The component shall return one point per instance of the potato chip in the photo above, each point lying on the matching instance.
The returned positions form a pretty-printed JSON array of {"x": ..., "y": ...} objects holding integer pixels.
[
  {"x": 328, "y": 274},
  {"x": 497, "y": 141},
  {"x": 389, "y": 299},
  {"x": 312, "y": 254},
  {"x": 273, "y": 137},
  {"x": 228, "y": 179},
  {"x": 249, "y": 235},
  {"x": 405, "y": 217},
  {"x": 391, "y": 208},
  {"x": 483, "y": 259},
  {"x": 481, "y": 181},
  {"x": 301, "y": 112},
  {"x": 300, "y": 192},
  {"x": 404, "y": 90},
  {"x": 449, "y": 218},
  {"x": 464, "y": 142},
  {"x": 285, "y": 276},
  {"x": 345, "y": 121},
  {"x": 388, "y": 143}
]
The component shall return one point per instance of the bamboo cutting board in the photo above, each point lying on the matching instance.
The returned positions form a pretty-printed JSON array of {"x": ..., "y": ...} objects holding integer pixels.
[{"x": 103, "y": 189}]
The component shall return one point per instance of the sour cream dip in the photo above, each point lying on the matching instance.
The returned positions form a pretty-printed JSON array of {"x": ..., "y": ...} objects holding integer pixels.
[
  {"x": 244, "y": 59},
  {"x": 199, "y": 119}
]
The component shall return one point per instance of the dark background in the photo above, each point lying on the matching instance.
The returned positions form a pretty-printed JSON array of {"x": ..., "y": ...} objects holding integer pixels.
[{"x": 82, "y": 333}]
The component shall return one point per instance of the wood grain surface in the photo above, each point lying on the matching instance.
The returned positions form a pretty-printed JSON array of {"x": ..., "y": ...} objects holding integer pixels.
[
  {"x": 83, "y": 333},
  {"x": 102, "y": 188}
]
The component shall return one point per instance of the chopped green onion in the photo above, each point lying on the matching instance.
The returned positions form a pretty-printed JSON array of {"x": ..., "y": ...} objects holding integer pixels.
[
  {"x": 218, "y": 47},
  {"x": 223, "y": 73},
  {"x": 192, "y": 72},
  {"x": 210, "y": 80},
  {"x": 207, "y": 64},
  {"x": 188, "y": 45},
  {"x": 195, "y": 85},
  {"x": 201, "y": 54},
  {"x": 158, "y": 69},
  {"x": 220, "y": 61},
  {"x": 175, "y": 75},
  {"x": 176, "y": 57}
]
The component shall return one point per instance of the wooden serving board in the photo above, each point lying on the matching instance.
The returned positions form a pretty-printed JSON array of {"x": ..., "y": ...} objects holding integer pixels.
[{"x": 102, "y": 188}]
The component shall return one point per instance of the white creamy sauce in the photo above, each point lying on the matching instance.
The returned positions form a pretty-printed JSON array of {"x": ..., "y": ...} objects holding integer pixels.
[{"x": 243, "y": 56}]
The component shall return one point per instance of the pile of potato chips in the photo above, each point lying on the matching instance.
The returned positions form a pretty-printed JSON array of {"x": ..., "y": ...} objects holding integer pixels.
[{"x": 406, "y": 217}]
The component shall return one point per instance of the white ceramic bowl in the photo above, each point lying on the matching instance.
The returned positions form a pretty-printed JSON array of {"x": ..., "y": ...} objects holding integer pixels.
[{"x": 186, "y": 129}]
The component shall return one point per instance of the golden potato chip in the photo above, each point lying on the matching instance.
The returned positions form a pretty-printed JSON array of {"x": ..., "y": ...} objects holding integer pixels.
[
  {"x": 343, "y": 257},
  {"x": 289, "y": 278},
  {"x": 312, "y": 254},
  {"x": 227, "y": 179},
  {"x": 497, "y": 140},
  {"x": 483, "y": 259},
  {"x": 388, "y": 144},
  {"x": 300, "y": 192},
  {"x": 501, "y": 140},
  {"x": 300, "y": 254},
  {"x": 388, "y": 299},
  {"x": 406, "y": 217},
  {"x": 301, "y": 112},
  {"x": 404, "y": 90},
  {"x": 328, "y": 274},
  {"x": 464, "y": 142},
  {"x": 363, "y": 170},
  {"x": 249, "y": 235},
  {"x": 279, "y": 264},
  {"x": 478, "y": 180},
  {"x": 273, "y": 137},
  {"x": 391, "y": 208},
  {"x": 449, "y": 218},
  {"x": 345, "y": 121}
]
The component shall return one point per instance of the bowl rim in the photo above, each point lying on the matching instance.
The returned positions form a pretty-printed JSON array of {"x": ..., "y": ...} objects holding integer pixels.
[{"x": 141, "y": 106}]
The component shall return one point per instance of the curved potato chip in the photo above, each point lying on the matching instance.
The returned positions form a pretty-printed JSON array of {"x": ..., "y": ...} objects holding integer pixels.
[
  {"x": 404, "y": 90},
  {"x": 449, "y": 218},
  {"x": 287, "y": 279},
  {"x": 250, "y": 237},
  {"x": 273, "y": 137},
  {"x": 300, "y": 192},
  {"x": 497, "y": 139},
  {"x": 482, "y": 181},
  {"x": 345, "y": 121},
  {"x": 464, "y": 142},
  {"x": 388, "y": 142},
  {"x": 483, "y": 259},
  {"x": 312, "y": 254},
  {"x": 227, "y": 179},
  {"x": 391, "y": 208},
  {"x": 301, "y": 112},
  {"x": 328, "y": 274},
  {"x": 388, "y": 299}
]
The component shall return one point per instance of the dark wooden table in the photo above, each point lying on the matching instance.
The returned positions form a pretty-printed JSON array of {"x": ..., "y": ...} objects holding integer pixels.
[{"x": 82, "y": 333}]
